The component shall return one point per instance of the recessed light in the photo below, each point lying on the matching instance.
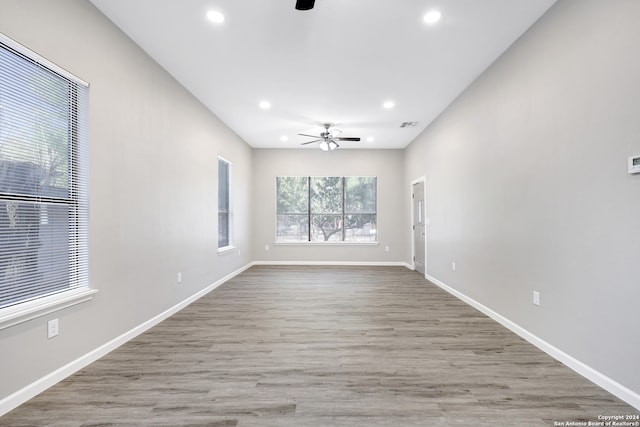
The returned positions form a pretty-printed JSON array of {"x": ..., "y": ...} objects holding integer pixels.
[
  {"x": 284, "y": 138},
  {"x": 432, "y": 17},
  {"x": 265, "y": 105},
  {"x": 370, "y": 139},
  {"x": 388, "y": 104},
  {"x": 215, "y": 16}
]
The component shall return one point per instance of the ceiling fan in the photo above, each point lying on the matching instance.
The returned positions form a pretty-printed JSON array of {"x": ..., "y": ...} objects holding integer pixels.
[{"x": 328, "y": 139}]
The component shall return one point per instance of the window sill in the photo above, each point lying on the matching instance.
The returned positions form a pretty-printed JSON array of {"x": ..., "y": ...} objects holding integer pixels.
[
  {"x": 20, "y": 313},
  {"x": 226, "y": 249},
  {"x": 326, "y": 243}
]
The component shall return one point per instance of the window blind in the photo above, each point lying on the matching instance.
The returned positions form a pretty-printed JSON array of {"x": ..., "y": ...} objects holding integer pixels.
[{"x": 43, "y": 177}]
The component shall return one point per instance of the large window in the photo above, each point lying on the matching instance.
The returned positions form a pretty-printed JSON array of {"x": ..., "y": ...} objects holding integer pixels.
[
  {"x": 43, "y": 179},
  {"x": 224, "y": 205},
  {"x": 326, "y": 209}
]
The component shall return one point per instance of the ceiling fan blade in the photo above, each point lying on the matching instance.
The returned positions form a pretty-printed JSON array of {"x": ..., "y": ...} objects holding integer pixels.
[
  {"x": 311, "y": 142},
  {"x": 340, "y": 138},
  {"x": 310, "y": 136}
]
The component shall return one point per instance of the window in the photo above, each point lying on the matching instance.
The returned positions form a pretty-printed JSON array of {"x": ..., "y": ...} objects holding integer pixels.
[
  {"x": 292, "y": 208},
  {"x": 326, "y": 209},
  {"x": 43, "y": 180},
  {"x": 224, "y": 210}
]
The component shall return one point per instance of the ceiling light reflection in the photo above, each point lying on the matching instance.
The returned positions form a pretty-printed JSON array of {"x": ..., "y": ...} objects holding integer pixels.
[
  {"x": 432, "y": 17},
  {"x": 215, "y": 16}
]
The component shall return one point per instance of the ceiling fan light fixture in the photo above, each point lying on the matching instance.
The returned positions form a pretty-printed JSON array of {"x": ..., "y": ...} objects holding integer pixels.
[
  {"x": 304, "y": 4},
  {"x": 324, "y": 146}
]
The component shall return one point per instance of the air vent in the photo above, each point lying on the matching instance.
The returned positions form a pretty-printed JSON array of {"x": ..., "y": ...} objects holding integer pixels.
[{"x": 408, "y": 124}]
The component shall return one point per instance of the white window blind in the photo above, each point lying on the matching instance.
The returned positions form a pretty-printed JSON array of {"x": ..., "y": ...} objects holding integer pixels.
[{"x": 43, "y": 178}]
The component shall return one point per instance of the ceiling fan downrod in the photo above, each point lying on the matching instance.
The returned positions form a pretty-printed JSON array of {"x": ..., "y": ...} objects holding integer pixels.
[{"x": 304, "y": 4}]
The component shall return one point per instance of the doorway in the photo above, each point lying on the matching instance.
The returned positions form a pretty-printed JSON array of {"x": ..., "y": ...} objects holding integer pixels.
[{"x": 418, "y": 226}]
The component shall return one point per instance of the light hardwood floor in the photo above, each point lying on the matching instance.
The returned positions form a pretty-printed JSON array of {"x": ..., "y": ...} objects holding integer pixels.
[{"x": 323, "y": 346}]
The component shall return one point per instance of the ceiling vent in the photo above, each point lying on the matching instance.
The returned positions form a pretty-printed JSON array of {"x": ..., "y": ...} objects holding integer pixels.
[{"x": 408, "y": 124}]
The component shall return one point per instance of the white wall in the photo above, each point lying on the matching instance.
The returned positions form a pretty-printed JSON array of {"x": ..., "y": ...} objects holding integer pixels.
[
  {"x": 153, "y": 188},
  {"x": 387, "y": 165},
  {"x": 527, "y": 185}
]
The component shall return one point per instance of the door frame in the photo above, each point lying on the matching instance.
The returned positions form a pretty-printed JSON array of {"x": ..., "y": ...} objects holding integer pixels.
[{"x": 413, "y": 238}]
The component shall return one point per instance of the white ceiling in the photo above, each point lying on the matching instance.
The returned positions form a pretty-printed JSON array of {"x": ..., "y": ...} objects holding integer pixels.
[{"x": 338, "y": 62}]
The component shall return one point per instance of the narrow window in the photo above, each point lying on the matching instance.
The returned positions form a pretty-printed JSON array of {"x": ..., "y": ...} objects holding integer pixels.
[{"x": 224, "y": 205}]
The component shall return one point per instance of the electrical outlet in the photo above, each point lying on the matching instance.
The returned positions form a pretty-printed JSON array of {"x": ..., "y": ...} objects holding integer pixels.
[
  {"x": 536, "y": 297},
  {"x": 52, "y": 328},
  {"x": 266, "y": 247},
  {"x": 453, "y": 266},
  {"x": 386, "y": 248},
  {"x": 179, "y": 277}
]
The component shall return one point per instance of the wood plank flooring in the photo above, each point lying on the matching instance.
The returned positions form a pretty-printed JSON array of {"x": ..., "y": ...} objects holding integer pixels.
[{"x": 323, "y": 346}]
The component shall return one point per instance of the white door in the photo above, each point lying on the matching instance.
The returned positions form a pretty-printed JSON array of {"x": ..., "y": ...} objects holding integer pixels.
[{"x": 417, "y": 195}]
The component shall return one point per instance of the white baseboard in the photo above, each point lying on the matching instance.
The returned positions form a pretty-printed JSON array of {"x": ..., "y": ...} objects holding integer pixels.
[
  {"x": 336, "y": 263},
  {"x": 21, "y": 396},
  {"x": 613, "y": 387}
]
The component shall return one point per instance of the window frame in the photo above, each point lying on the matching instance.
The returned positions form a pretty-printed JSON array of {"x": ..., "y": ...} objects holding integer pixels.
[
  {"x": 50, "y": 300},
  {"x": 309, "y": 214}
]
